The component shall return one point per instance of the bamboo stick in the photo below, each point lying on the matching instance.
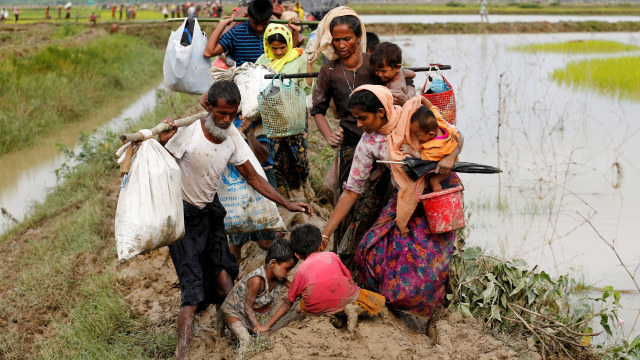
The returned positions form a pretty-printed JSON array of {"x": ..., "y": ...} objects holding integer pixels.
[
  {"x": 164, "y": 126},
  {"x": 315, "y": 74},
  {"x": 240, "y": 19}
]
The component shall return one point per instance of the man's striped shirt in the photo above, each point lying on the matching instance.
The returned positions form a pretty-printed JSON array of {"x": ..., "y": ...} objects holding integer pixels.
[{"x": 242, "y": 44}]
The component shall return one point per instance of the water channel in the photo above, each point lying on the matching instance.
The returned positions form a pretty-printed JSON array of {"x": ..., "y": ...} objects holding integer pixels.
[
  {"x": 473, "y": 18},
  {"x": 566, "y": 153},
  {"x": 28, "y": 174}
]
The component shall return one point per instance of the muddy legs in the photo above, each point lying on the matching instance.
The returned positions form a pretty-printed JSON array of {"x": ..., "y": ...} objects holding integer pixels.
[
  {"x": 186, "y": 318},
  {"x": 353, "y": 311}
]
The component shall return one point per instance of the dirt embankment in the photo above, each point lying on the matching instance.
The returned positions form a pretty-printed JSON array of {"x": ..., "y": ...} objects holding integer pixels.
[{"x": 151, "y": 287}]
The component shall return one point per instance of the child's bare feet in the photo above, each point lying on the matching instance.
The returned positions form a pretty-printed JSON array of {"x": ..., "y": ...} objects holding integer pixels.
[
  {"x": 435, "y": 184},
  {"x": 409, "y": 150},
  {"x": 353, "y": 311}
]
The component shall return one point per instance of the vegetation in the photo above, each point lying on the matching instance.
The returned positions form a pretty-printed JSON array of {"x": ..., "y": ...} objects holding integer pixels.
[
  {"x": 59, "y": 267},
  {"x": 578, "y": 47},
  {"x": 63, "y": 84},
  {"x": 613, "y": 76},
  {"x": 510, "y": 297},
  {"x": 530, "y": 8}
]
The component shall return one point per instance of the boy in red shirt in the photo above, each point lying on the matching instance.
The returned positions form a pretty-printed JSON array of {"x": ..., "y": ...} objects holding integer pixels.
[{"x": 324, "y": 283}]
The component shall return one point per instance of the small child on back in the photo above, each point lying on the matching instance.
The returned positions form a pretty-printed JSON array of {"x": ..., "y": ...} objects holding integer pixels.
[
  {"x": 249, "y": 304},
  {"x": 324, "y": 283},
  {"x": 438, "y": 138},
  {"x": 386, "y": 58}
]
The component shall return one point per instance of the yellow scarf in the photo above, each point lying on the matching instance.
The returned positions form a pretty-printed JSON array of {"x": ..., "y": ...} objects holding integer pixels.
[{"x": 292, "y": 53}]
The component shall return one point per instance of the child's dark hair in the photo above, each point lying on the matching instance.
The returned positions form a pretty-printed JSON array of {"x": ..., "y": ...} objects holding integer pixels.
[
  {"x": 364, "y": 100},
  {"x": 276, "y": 37},
  {"x": 280, "y": 251},
  {"x": 425, "y": 119},
  {"x": 260, "y": 10},
  {"x": 305, "y": 240},
  {"x": 372, "y": 41},
  {"x": 386, "y": 54},
  {"x": 349, "y": 20}
]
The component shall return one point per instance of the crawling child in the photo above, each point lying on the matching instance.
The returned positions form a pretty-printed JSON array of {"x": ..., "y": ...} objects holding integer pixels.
[
  {"x": 438, "y": 138},
  {"x": 249, "y": 304},
  {"x": 324, "y": 283},
  {"x": 386, "y": 59}
]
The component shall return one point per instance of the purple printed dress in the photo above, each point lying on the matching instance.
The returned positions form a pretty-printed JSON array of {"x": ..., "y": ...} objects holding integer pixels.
[{"x": 411, "y": 271}]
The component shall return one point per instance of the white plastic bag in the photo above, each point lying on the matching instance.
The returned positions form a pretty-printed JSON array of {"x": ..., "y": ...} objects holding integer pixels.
[
  {"x": 250, "y": 79},
  {"x": 149, "y": 213},
  {"x": 247, "y": 210},
  {"x": 185, "y": 67}
]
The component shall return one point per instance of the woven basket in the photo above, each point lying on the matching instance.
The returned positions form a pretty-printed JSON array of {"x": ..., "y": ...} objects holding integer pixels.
[{"x": 444, "y": 101}]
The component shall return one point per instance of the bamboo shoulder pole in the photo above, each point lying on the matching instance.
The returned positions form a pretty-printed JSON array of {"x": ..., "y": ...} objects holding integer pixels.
[
  {"x": 275, "y": 21},
  {"x": 315, "y": 74},
  {"x": 164, "y": 126}
]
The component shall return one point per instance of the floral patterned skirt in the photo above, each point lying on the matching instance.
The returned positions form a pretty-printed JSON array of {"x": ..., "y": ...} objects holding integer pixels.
[
  {"x": 411, "y": 271},
  {"x": 290, "y": 163}
]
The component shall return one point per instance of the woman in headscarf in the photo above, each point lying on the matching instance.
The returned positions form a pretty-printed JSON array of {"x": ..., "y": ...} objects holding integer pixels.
[
  {"x": 340, "y": 38},
  {"x": 291, "y": 165},
  {"x": 398, "y": 257}
]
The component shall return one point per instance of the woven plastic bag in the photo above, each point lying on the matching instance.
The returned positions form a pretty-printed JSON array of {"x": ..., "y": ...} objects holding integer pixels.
[
  {"x": 185, "y": 68},
  {"x": 283, "y": 108},
  {"x": 249, "y": 78},
  {"x": 445, "y": 101},
  {"x": 247, "y": 210},
  {"x": 149, "y": 213}
]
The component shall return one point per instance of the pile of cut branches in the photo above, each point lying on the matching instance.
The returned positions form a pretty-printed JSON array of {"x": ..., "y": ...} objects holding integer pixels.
[{"x": 508, "y": 296}]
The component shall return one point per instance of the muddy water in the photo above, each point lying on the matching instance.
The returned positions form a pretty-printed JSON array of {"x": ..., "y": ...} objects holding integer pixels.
[
  {"x": 566, "y": 153},
  {"x": 26, "y": 175},
  {"x": 451, "y": 18}
]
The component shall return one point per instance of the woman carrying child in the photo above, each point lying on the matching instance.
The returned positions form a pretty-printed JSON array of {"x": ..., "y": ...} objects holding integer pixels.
[
  {"x": 291, "y": 165},
  {"x": 249, "y": 304},
  {"x": 340, "y": 38},
  {"x": 397, "y": 257}
]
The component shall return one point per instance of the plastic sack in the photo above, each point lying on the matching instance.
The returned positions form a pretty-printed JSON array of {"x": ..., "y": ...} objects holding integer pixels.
[
  {"x": 283, "y": 108},
  {"x": 149, "y": 213},
  {"x": 249, "y": 78},
  {"x": 185, "y": 68},
  {"x": 247, "y": 210}
]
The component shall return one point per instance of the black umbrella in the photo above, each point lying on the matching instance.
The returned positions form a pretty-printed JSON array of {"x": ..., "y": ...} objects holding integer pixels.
[{"x": 416, "y": 168}]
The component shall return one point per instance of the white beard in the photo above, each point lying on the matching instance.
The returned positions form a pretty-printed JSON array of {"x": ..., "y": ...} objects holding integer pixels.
[{"x": 218, "y": 134}]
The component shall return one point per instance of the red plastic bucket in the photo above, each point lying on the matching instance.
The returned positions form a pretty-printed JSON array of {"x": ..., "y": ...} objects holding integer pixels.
[{"x": 444, "y": 209}]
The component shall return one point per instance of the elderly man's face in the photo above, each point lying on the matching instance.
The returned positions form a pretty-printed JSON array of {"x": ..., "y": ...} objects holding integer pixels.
[{"x": 224, "y": 113}]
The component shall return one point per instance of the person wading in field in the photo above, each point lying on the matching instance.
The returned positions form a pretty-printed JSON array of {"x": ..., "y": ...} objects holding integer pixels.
[{"x": 203, "y": 262}]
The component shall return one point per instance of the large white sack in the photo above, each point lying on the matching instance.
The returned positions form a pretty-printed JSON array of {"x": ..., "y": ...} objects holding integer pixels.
[
  {"x": 247, "y": 210},
  {"x": 149, "y": 213},
  {"x": 250, "y": 80},
  {"x": 185, "y": 68}
]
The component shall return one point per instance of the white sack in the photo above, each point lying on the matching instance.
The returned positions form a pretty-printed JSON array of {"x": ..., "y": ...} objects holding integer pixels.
[
  {"x": 250, "y": 79},
  {"x": 149, "y": 213},
  {"x": 247, "y": 210},
  {"x": 185, "y": 67}
]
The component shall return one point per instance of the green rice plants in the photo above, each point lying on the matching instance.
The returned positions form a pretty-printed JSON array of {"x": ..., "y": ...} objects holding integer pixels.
[
  {"x": 613, "y": 76},
  {"x": 578, "y": 47},
  {"x": 510, "y": 297},
  {"x": 60, "y": 85}
]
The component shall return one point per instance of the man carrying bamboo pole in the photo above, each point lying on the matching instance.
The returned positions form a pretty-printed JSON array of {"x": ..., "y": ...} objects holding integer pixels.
[{"x": 203, "y": 262}]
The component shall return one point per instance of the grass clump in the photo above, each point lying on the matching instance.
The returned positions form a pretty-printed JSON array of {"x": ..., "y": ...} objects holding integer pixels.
[
  {"x": 511, "y": 298},
  {"x": 613, "y": 76},
  {"x": 60, "y": 85},
  {"x": 578, "y": 47}
]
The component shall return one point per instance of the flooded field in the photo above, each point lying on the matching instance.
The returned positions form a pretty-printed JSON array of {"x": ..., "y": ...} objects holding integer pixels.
[
  {"x": 568, "y": 155},
  {"x": 452, "y": 18},
  {"x": 26, "y": 175}
]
